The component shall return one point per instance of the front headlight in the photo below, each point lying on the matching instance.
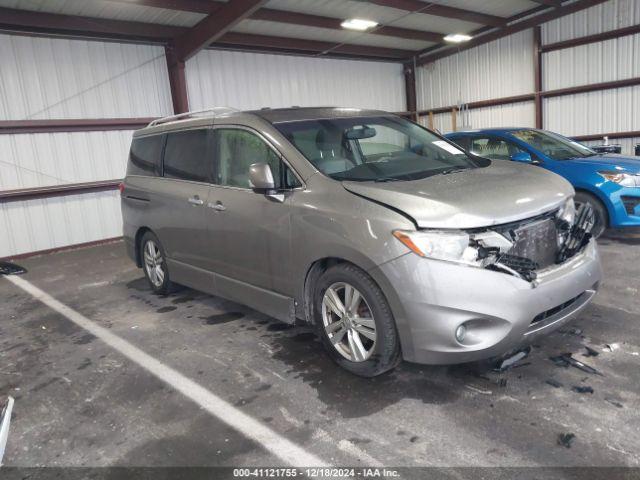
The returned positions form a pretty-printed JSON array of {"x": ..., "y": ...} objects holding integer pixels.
[
  {"x": 440, "y": 245},
  {"x": 623, "y": 179},
  {"x": 568, "y": 211}
]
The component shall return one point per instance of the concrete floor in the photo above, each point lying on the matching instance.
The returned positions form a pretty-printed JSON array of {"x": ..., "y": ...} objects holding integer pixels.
[{"x": 80, "y": 403}]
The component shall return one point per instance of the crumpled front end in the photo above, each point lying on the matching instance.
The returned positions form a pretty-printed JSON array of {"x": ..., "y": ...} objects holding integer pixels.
[{"x": 528, "y": 279}]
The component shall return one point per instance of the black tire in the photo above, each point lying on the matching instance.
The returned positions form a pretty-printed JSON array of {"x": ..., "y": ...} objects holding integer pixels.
[
  {"x": 599, "y": 210},
  {"x": 164, "y": 287},
  {"x": 385, "y": 352}
]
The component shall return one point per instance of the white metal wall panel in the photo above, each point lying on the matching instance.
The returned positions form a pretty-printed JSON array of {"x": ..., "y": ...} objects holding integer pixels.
[
  {"x": 607, "y": 16},
  {"x": 604, "y": 111},
  {"x": 36, "y": 225},
  {"x": 512, "y": 115},
  {"x": 45, "y": 78},
  {"x": 501, "y": 68},
  {"x": 627, "y": 144},
  {"x": 611, "y": 60},
  {"x": 441, "y": 122},
  {"x": 44, "y": 159},
  {"x": 252, "y": 80}
]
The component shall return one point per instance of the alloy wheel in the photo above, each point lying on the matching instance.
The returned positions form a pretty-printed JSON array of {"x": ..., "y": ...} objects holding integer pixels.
[
  {"x": 348, "y": 322},
  {"x": 154, "y": 263}
]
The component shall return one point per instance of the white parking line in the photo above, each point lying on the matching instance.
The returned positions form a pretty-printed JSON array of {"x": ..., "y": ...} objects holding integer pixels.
[{"x": 279, "y": 446}]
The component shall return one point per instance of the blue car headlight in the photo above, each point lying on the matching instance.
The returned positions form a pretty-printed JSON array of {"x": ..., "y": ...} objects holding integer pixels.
[{"x": 622, "y": 179}]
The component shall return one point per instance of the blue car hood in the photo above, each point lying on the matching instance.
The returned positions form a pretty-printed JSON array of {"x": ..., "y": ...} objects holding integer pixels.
[{"x": 610, "y": 161}]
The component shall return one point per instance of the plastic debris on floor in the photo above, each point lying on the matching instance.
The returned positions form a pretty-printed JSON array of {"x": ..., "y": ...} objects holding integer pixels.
[
  {"x": 512, "y": 360},
  {"x": 566, "y": 439},
  {"x": 8, "y": 268},
  {"x": 567, "y": 360}
]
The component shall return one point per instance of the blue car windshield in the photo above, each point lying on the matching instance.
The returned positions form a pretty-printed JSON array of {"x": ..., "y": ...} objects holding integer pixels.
[
  {"x": 381, "y": 149},
  {"x": 552, "y": 145}
]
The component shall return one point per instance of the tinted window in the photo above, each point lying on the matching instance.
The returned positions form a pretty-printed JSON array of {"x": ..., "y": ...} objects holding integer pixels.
[
  {"x": 552, "y": 145},
  {"x": 462, "y": 141},
  {"x": 373, "y": 148},
  {"x": 186, "y": 156},
  {"x": 237, "y": 150},
  {"x": 144, "y": 157},
  {"x": 493, "y": 148}
]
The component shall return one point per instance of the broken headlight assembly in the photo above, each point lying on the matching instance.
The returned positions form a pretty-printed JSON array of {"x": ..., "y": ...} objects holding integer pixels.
[
  {"x": 487, "y": 249},
  {"x": 515, "y": 248},
  {"x": 622, "y": 179},
  {"x": 451, "y": 246}
]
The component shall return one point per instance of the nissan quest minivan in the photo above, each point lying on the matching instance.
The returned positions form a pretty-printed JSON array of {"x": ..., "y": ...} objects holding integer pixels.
[{"x": 389, "y": 239}]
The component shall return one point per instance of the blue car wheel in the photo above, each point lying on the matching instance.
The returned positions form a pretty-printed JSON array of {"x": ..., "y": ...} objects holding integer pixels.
[{"x": 600, "y": 212}]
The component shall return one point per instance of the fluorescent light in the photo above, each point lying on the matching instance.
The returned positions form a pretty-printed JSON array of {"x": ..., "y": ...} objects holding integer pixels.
[
  {"x": 457, "y": 37},
  {"x": 358, "y": 24}
]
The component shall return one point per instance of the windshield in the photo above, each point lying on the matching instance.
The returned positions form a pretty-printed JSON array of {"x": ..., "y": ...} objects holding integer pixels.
[
  {"x": 552, "y": 145},
  {"x": 373, "y": 148}
]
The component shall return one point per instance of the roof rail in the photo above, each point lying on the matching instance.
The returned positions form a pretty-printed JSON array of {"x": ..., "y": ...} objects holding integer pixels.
[{"x": 215, "y": 111}]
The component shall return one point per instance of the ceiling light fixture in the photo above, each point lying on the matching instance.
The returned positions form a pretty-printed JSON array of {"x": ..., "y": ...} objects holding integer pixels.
[
  {"x": 358, "y": 24},
  {"x": 457, "y": 37}
]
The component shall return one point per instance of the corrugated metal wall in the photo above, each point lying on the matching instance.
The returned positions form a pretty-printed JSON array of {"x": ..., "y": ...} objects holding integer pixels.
[
  {"x": 506, "y": 67},
  {"x": 497, "y": 69},
  {"x": 607, "y": 16},
  {"x": 250, "y": 80},
  {"x": 59, "y": 78},
  {"x": 604, "y": 111},
  {"x": 516, "y": 114},
  {"x": 45, "y": 78}
]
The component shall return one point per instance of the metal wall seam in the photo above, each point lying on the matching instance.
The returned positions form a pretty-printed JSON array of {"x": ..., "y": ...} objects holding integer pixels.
[{"x": 254, "y": 80}]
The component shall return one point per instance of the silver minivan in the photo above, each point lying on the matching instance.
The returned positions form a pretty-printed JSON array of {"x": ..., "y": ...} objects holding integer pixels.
[{"x": 388, "y": 238}]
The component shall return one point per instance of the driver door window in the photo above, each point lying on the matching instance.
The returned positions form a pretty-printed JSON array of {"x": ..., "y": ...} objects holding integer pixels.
[
  {"x": 493, "y": 148},
  {"x": 236, "y": 151}
]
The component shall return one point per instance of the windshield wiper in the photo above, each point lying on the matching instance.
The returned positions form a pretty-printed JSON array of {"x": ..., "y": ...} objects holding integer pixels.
[
  {"x": 453, "y": 170},
  {"x": 386, "y": 179}
]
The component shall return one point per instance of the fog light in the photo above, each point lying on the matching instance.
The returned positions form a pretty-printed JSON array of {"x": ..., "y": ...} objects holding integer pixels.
[{"x": 461, "y": 332}]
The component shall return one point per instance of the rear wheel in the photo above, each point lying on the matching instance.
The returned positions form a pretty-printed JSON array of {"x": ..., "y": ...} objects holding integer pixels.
[
  {"x": 355, "y": 322},
  {"x": 599, "y": 211},
  {"x": 154, "y": 264}
]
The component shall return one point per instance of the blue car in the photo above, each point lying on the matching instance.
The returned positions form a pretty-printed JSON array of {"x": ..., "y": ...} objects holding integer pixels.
[{"x": 610, "y": 183}]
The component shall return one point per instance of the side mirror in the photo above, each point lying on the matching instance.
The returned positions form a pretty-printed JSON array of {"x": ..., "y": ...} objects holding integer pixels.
[
  {"x": 261, "y": 177},
  {"x": 523, "y": 157}
]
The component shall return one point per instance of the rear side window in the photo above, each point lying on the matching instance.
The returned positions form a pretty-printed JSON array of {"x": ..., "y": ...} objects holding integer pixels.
[
  {"x": 493, "y": 148},
  {"x": 187, "y": 156},
  {"x": 144, "y": 157}
]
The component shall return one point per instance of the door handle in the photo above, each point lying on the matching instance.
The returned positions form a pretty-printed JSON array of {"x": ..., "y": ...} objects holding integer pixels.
[
  {"x": 196, "y": 201},
  {"x": 218, "y": 206}
]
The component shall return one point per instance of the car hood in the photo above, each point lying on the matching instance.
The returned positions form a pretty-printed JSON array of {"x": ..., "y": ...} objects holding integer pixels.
[
  {"x": 610, "y": 161},
  {"x": 500, "y": 193}
]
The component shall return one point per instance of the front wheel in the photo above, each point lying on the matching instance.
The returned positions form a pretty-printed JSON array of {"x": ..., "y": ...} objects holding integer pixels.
[
  {"x": 154, "y": 264},
  {"x": 355, "y": 321},
  {"x": 599, "y": 212}
]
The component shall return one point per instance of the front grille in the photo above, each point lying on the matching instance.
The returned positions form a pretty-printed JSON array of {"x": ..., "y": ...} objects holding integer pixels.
[
  {"x": 630, "y": 204},
  {"x": 552, "y": 311},
  {"x": 536, "y": 241}
]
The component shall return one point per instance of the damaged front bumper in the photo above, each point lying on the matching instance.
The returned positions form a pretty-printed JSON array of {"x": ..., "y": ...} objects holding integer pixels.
[{"x": 431, "y": 299}]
